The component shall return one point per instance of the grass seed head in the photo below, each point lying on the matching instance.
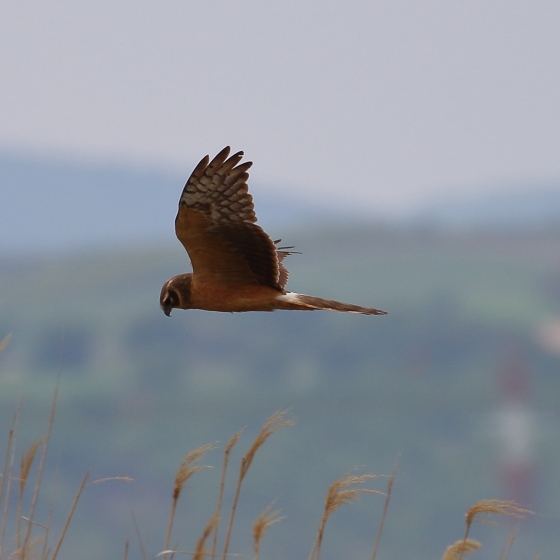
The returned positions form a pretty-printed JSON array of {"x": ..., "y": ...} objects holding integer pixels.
[
  {"x": 262, "y": 523},
  {"x": 26, "y": 462},
  {"x": 233, "y": 441},
  {"x": 272, "y": 425},
  {"x": 494, "y": 507},
  {"x": 456, "y": 550},
  {"x": 188, "y": 467},
  {"x": 340, "y": 493}
]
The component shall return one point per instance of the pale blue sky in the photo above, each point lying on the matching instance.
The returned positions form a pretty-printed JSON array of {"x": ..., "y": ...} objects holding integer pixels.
[{"x": 381, "y": 104}]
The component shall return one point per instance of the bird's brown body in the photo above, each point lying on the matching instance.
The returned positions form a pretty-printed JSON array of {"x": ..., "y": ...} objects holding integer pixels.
[
  {"x": 228, "y": 297},
  {"x": 236, "y": 265}
]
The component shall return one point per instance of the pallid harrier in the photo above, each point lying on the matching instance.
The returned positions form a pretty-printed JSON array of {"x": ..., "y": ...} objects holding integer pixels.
[{"x": 236, "y": 266}]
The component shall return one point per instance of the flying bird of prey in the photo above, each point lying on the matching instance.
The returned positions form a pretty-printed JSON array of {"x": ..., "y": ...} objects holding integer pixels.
[{"x": 236, "y": 265}]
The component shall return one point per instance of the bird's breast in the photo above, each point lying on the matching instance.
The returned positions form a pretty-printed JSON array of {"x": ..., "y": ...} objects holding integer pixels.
[{"x": 213, "y": 296}]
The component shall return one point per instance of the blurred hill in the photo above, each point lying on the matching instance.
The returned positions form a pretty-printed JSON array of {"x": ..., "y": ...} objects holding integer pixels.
[
  {"x": 58, "y": 205},
  {"x": 139, "y": 390},
  {"x": 514, "y": 207}
]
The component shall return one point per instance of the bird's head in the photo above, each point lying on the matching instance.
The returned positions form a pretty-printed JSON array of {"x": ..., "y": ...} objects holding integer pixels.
[{"x": 175, "y": 293}]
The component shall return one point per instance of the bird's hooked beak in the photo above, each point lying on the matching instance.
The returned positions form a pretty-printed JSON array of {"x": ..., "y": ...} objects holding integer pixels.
[{"x": 167, "y": 306}]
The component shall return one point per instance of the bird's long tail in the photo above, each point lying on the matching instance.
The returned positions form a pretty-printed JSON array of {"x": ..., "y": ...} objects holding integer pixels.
[{"x": 291, "y": 300}]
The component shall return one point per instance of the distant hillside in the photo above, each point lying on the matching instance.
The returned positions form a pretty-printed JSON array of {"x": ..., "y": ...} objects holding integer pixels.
[
  {"x": 59, "y": 205},
  {"x": 515, "y": 207}
]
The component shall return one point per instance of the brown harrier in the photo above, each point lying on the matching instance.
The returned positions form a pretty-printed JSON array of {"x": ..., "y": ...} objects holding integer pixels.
[{"x": 236, "y": 266}]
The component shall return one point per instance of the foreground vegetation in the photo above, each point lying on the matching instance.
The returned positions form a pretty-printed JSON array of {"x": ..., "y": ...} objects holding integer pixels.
[
  {"x": 138, "y": 389},
  {"x": 19, "y": 514}
]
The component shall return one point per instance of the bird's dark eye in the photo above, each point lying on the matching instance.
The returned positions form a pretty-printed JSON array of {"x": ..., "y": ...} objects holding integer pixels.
[{"x": 171, "y": 299}]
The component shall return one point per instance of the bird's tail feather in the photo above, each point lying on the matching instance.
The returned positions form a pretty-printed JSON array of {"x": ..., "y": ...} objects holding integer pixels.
[{"x": 301, "y": 301}]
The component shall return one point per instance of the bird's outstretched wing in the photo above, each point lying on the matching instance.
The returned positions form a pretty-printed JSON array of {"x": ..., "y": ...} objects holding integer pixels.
[{"x": 216, "y": 225}]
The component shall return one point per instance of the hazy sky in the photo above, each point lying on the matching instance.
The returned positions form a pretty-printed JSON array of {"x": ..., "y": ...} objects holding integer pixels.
[{"x": 382, "y": 103}]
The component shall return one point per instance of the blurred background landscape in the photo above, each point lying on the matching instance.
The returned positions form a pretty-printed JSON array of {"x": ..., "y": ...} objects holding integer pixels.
[
  {"x": 460, "y": 379},
  {"x": 409, "y": 153}
]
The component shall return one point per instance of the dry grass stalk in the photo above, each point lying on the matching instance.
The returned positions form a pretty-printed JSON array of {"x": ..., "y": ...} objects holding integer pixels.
[
  {"x": 138, "y": 536},
  {"x": 4, "y": 341},
  {"x": 200, "y": 552},
  {"x": 340, "y": 492},
  {"x": 390, "y": 483},
  {"x": 188, "y": 467},
  {"x": 27, "y": 539},
  {"x": 218, "y": 513},
  {"x": 69, "y": 517},
  {"x": 26, "y": 555},
  {"x": 492, "y": 507},
  {"x": 26, "y": 545},
  {"x": 261, "y": 524},
  {"x": 7, "y": 470},
  {"x": 122, "y": 478},
  {"x": 125, "y": 556},
  {"x": 26, "y": 462},
  {"x": 272, "y": 425},
  {"x": 507, "y": 547},
  {"x": 456, "y": 550},
  {"x": 4, "y": 473},
  {"x": 46, "y": 551},
  {"x": 35, "y": 524}
]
